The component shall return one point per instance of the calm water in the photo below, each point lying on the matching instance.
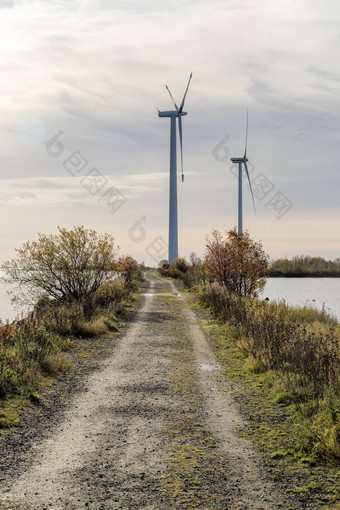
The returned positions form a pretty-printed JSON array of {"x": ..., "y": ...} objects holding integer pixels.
[
  {"x": 314, "y": 292},
  {"x": 7, "y": 311}
]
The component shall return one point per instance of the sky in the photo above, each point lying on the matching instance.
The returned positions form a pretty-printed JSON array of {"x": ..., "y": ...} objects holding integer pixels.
[{"x": 81, "y": 142}]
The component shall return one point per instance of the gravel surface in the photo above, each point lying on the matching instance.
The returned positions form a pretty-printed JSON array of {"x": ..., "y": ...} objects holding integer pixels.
[{"x": 97, "y": 441}]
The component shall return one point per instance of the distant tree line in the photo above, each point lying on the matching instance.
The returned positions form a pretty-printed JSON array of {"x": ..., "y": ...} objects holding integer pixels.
[{"x": 305, "y": 265}]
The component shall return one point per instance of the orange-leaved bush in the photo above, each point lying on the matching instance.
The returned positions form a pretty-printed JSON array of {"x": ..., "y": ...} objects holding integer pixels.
[{"x": 237, "y": 262}]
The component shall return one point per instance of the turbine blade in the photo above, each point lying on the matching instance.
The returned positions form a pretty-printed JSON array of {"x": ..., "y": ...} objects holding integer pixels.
[
  {"x": 185, "y": 95},
  {"x": 245, "y": 147},
  {"x": 167, "y": 88},
  {"x": 181, "y": 142},
  {"x": 251, "y": 189}
]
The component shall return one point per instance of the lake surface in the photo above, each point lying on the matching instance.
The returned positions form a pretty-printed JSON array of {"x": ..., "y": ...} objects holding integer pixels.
[
  {"x": 7, "y": 310},
  {"x": 313, "y": 292}
]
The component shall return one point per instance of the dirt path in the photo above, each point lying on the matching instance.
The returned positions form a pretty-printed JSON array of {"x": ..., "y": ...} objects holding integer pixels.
[{"x": 109, "y": 449}]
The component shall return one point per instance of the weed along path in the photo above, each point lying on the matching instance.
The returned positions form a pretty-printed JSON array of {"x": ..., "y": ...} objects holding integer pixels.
[{"x": 153, "y": 427}]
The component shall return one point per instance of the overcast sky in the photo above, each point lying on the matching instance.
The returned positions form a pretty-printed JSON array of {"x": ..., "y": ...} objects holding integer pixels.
[{"x": 93, "y": 72}]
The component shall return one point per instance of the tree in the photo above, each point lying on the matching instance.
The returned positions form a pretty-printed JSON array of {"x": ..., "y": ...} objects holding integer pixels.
[
  {"x": 69, "y": 265},
  {"x": 237, "y": 262}
]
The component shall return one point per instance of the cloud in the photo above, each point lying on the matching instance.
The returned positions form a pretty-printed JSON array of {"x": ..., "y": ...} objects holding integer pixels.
[
  {"x": 63, "y": 190},
  {"x": 97, "y": 70},
  {"x": 6, "y": 4},
  {"x": 326, "y": 75}
]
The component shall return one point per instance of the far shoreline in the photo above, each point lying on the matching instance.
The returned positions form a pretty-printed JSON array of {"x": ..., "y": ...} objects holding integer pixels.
[{"x": 303, "y": 275}]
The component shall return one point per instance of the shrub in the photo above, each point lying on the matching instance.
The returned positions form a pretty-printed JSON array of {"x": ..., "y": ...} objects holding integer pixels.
[
  {"x": 70, "y": 265},
  {"x": 68, "y": 318},
  {"x": 237, "y": 262},
  {"x": 192, "y": 273},
  {"x": 131, "y": 271},
  {"x": 110, "y": 294}
]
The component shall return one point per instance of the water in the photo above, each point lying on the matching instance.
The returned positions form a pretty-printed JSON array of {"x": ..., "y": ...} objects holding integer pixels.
[
  {"x": 313, "y": 292},
  {"x": 7, "y": 310}
]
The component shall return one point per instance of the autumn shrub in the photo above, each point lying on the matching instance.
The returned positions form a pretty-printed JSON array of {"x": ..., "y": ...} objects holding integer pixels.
[
  {"x": 237, "y": 262},
  {"x": 233, "y": 260},
  {"x": 59, "y": 317},
  {"x": 76, "y": 317},
  {"x": 177, "y": 269},
  {"x": 69, "y": 265},
  {"x": 191, "y": 272},
  {"x": 131, "y": 272},
  {"x": 111, "y": 293}
]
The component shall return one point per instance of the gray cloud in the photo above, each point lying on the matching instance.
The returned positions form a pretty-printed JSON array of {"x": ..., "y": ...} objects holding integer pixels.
[
  {"x": 97, "y": 70},
  {"x": 6, "y": 4},
  {"x": 326, "y": 75}
]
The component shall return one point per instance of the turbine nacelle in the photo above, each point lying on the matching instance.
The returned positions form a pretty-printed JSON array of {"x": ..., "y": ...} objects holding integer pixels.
[
  {"x": 171, "y": 113},
  {"x": 239, "y": 160}
]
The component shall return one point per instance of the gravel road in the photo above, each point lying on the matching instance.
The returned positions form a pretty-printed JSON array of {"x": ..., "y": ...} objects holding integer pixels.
[{"x": 106, "y": 447}]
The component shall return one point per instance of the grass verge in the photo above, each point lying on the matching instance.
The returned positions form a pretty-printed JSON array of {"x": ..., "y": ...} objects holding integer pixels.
[
  {"x": 274, "y": 423},
  {"x": 33, "y": 356}
]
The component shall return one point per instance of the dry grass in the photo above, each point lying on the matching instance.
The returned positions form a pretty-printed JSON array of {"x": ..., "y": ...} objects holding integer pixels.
[{"x": 92, "y": 329}]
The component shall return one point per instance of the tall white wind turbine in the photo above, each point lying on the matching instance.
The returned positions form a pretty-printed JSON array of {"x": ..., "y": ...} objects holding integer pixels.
[
  {"x": 173, "y": 220},
  {"x": 242, "y": 161}
]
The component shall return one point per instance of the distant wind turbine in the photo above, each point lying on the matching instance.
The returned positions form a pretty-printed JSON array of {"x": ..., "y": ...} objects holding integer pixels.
[
  {"x": 242, "y": 161},
  {"x": 173, "y": 221}
]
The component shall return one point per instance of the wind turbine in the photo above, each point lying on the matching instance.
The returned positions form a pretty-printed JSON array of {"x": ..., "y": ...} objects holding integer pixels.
[
  {"x": 242, "y": 161},
  {"x": 173, "y": 221}
]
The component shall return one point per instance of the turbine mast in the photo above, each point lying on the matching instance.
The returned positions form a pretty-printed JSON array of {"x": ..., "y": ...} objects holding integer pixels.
[
  {"x": 243, "y": 161},
  {"x": 240, "y": 209},
  {"x": 173, "y": 220}
]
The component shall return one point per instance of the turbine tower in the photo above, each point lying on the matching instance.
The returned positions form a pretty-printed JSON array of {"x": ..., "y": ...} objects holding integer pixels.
[
  {"x": 173, "y": 221},
  {"x": 242, "y": 161}
]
